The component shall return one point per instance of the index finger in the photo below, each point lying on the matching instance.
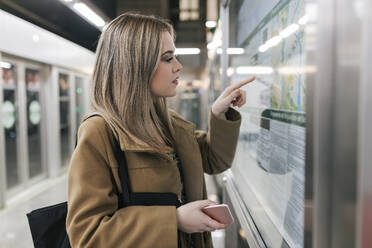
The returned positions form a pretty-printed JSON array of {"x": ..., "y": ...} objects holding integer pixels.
[{"x": 242, "y": 83}]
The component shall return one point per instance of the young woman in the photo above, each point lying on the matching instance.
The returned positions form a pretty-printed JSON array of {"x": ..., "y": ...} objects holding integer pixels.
[{"x": 134, "y": 72}]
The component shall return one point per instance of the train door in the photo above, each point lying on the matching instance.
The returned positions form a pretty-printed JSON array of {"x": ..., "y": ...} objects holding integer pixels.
[
  {"x": 22, "y": 124},
  {"x": 10, "y": 123},
  {"x": 34, "y": 125}
]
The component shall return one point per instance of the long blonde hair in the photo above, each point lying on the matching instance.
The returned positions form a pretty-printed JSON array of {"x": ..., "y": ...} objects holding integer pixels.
[{"x": 128, "y": 54}]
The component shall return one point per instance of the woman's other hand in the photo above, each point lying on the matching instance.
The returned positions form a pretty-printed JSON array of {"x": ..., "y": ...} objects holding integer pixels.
[
  {"x": 231, "y": 95},
  {"x": 191, "y": 219}
]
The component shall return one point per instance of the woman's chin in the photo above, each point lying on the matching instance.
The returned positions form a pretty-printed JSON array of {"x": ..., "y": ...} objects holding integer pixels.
[{"x": 171, "y": 95}]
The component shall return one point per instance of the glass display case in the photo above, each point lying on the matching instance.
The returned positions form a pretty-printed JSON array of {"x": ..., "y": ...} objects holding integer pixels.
[{"x": 270, "y": 157}]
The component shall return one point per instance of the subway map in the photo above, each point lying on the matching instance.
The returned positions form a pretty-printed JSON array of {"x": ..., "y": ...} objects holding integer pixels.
[{"x": 286, "y": 85}]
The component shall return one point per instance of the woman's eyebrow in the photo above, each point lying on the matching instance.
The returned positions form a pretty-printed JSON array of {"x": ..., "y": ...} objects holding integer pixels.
[{"x": 169, "y": 51}]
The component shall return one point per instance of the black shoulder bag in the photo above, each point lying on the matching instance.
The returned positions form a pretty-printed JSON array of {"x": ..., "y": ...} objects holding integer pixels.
[{"x": 48, "y": 224}]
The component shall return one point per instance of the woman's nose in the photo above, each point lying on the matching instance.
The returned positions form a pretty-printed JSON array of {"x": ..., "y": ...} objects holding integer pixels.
[{"x": 178, "y": 67}]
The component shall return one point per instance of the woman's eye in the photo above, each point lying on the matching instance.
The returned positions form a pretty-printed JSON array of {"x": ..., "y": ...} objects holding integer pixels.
[
  {"x": 169, "y": 59},
  {"x": 178, "y": 58}
]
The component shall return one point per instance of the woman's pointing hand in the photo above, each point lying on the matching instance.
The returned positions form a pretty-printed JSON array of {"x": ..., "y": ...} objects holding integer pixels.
[{"x": 231, "y": 95}]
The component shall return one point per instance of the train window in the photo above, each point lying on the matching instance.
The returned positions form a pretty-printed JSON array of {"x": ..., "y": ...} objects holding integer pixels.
[{"x": 34, "y": 116}]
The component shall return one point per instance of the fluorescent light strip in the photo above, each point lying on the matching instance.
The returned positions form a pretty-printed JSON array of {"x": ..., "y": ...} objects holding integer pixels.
[
  {"x": 210, "y": 24},
  {"x": 263, "y": 48},
  {"x": 232, "y": 50},
  {"x": 242, "y": 70},
  {"x": 303, "y": 20},
  {"x": 289, "y": 30},
  {"x": 5, "y": 65},
  {"x": 282, "y": 35},
  {"x": 273, "y": 41},
  {"x": 187, "y": 51},
  {"x": 89, "y": 14},
  {"x": 294, "y": 70}
]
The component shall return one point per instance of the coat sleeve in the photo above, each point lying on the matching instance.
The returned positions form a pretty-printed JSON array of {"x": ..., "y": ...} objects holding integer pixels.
[
  {"x": 218, "y": 146},
  {"x": 93, "y": 218}
]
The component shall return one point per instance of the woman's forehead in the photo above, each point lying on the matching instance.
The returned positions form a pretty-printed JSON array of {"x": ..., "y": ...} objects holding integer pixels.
[{"x": 167, "y": 43}]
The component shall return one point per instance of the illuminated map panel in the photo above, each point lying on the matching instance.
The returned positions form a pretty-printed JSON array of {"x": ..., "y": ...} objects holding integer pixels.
[{"x": 271, "y": 150}]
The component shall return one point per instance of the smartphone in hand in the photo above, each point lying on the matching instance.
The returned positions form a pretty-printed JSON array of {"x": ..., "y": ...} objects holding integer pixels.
[{"x": 220, "y": 213}]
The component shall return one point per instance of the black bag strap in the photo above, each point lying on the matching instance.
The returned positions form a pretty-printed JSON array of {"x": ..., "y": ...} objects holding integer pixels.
[
  {"x": 124, "y": 200},
  {"x": 154, "y": 198},
  {"x": 129, "y": 198}
]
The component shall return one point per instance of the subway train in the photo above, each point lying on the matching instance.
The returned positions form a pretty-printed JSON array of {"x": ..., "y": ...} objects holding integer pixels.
[{"x": 301, "y": 173}]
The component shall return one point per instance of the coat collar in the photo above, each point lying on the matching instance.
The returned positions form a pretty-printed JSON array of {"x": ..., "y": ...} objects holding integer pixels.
[{"x": 129, "y": 142}]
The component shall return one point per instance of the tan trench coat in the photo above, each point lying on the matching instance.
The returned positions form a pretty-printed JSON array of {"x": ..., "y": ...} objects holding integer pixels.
[{"x": 93, "y": 219}]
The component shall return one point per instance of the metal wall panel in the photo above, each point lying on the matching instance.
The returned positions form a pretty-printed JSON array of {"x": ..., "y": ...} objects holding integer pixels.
[
  {"x": 224, "y": 13},
  {"x": 2, "y": 148},
  {"x": 345, "y": 115},
  {"x": 44, "y": 73},
  {"x": 320, "y": 109},
  {"x": 52, "y": 120},
  {"x": 364, "y": 210},
  {"x": 72, "y": 111},
  {"x": 23, "y": 139}
]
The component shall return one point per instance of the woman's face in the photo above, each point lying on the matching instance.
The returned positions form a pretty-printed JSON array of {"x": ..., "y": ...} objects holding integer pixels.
[{"x": 165, "y": 79}]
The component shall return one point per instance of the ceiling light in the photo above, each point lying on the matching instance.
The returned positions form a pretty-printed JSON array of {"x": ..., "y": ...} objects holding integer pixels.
[
  {"x": 89, "y": 14},
  {"x": 296, "y": 69},
  {"x": 35, "y": 38},
  {"x": 232, "y": 50},
  {"x": 5, "y": 65},
  {"x": 187, "y": 51},
  {"x": 254, "y": 70},
  {"x": 210, "y": 24}
]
